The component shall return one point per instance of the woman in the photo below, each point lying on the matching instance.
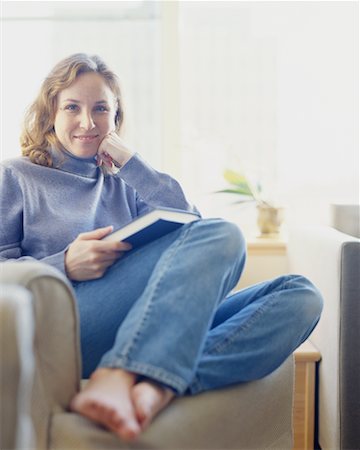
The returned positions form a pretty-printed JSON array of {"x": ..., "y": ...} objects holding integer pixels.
[{"x": 157, "y": 321}]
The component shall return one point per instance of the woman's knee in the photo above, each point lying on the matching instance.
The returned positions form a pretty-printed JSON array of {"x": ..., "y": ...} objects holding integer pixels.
[
  {"x": 226, "y": 239},
  {"x": 306, "y": 297}
]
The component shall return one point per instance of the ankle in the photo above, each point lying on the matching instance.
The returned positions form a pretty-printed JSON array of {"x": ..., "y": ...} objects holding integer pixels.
[
  {"x": 104, "y": 372},
  {"x": 164, "y": 389}
]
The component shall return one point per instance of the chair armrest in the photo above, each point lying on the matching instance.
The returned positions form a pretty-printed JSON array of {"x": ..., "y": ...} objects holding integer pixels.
[
  {"x": 56, "y": 339},
  {"x": 16, "y": 367}
]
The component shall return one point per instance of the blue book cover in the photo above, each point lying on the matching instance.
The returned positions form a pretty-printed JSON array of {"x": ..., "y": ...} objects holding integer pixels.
[{"x": 151, "y": 226}]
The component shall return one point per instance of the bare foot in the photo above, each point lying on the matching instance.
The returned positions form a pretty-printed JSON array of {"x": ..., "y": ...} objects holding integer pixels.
[
  {"x": 149, "y": 398},
  {"x": 106, "y": 399}
]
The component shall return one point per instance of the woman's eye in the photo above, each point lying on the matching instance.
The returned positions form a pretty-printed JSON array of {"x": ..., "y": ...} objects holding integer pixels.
[
  {"x": 71, "y": 107},
  {"x": 102, "y": 108}
]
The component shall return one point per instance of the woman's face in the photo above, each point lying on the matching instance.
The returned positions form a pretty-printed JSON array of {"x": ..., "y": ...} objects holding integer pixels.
[{"x": 85, "y": 115}]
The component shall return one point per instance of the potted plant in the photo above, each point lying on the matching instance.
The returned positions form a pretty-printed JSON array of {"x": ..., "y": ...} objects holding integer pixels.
[{"x": 270, "y": 216}]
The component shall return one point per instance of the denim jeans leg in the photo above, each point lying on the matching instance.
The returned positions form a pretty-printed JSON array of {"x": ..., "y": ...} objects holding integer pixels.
[
  {"x": 164, "y": 333},
  {"x": 104, "y": 303},
  {"x": 255, "y": 330}
]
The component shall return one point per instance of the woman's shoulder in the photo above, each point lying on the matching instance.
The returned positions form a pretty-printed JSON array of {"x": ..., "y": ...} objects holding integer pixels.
[
  {"x": 15, "y": 163},
  {"x": 20, "y": 164},
  {"x": 21, "y": 171},
  {"x": 12, "y": 172}
]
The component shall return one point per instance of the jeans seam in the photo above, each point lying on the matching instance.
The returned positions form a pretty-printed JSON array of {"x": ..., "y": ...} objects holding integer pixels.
[
  {"x": 155, "y": 289},
  {"x": 196, "y": 386},
  {"x": 228, "y": 340}
]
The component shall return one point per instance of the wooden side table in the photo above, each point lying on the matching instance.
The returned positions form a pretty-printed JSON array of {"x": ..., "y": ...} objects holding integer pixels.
[
  {"x": 266, "y": 258},
  {"x": 306, "y": 357}
]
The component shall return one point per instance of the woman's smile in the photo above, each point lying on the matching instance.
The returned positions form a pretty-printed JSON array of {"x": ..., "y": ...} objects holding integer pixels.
[{"x": 86, "y": 138}]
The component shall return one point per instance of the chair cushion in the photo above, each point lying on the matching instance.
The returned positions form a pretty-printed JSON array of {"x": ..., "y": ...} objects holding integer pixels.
[{"x": 249, "y": 415}]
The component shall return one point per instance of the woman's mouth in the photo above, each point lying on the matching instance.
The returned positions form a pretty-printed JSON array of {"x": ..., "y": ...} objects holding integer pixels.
[{"x": 87, "y": 137}]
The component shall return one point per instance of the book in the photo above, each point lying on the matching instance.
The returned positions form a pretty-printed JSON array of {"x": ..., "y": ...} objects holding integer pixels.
[{"x": 152, "y": 225}]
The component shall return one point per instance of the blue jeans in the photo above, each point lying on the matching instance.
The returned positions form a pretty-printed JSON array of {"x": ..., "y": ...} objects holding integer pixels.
[{"x": 164, "y": 311}]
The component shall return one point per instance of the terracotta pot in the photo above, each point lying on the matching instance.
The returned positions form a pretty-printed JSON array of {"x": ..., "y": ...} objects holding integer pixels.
[{"x": 269, "y": 219}]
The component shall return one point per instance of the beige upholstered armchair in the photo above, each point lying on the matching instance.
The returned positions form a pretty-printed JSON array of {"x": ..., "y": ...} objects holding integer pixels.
[{"x": 41, "y": 371}]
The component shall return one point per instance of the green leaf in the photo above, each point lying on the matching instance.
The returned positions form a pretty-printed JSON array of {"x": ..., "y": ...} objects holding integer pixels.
[
  {"x": 233, "y": 177},
  {"x": 238, "y": 191},
  {"x": 236, "y": 179},
  {"x": 245, "y": 201}
]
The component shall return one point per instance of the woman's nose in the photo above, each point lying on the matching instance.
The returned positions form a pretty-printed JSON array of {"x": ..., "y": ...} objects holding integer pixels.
[{"x": 86, "y": 121}]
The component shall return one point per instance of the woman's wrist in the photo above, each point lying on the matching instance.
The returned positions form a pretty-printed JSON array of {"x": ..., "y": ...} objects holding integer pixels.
[
  {"x": 125, "y": 157},
  {"x": 113, "y": 150}
]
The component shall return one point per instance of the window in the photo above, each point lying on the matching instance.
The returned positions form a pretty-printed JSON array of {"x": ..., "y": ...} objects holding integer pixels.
[
  {"x": 36, "y": 35},
  {"x": 266, "y": 87}
]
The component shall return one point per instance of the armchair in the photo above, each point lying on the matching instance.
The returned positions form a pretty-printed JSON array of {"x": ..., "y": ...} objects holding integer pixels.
[{"x": 250, "y": 415}]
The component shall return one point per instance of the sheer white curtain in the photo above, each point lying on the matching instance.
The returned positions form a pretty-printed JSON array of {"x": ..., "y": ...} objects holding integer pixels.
[
  {"x": 266, "y": 87},
  {"x": 228, "y": 98},
  {"x": 36, "y": 35},
  {"x": 271, "y": 88}
]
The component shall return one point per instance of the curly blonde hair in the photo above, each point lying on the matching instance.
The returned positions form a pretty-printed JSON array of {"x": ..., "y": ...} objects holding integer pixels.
[{"x": 38, "y": 134}]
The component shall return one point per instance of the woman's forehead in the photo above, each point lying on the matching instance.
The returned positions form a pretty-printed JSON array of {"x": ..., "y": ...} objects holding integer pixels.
[{"x": 88, "y": 86}]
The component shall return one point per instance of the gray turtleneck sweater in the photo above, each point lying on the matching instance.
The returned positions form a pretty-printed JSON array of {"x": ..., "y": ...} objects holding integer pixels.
[{"x": 42, "y": 210}]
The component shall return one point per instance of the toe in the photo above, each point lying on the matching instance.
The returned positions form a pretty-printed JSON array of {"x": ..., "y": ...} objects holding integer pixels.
[
  {"x": 143, "y": 412},
  {"x": 115, "y": 421},
  {"x": 128, "y": 430}
]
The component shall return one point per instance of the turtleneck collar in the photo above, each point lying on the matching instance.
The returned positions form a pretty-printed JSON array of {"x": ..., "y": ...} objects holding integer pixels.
[{"x": 67, "y": 162}]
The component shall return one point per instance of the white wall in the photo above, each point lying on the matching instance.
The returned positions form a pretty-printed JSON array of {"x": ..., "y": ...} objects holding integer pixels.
[
  {"x": 269, "y": 87},
  {"x": 272, "y": 87},
  {"x": 36, "y": 35},
  {"x": 318, "y": 99}
]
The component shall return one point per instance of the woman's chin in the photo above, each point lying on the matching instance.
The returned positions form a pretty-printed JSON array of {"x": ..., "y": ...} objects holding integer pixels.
[{"x": 85, "y": 153}]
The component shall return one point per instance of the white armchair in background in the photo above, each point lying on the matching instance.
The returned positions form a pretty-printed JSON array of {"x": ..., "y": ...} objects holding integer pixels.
[{"x": 331, "y": 260}]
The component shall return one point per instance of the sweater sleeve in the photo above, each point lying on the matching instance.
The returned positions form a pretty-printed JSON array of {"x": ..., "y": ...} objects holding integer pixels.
[
  {"x": 11, "y": 223},
  {"x": 154, "y": 189}
]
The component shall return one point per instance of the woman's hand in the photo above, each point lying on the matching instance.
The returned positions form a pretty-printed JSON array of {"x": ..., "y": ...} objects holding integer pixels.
[
  {"x": 112, "y": 149},
  {"x": 87, "y": 258}
]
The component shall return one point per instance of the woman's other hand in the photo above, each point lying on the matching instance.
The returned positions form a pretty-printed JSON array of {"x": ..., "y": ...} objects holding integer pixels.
[
  {"x": 87, "y": 257},
  {"x": 112, "y": 149}
]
